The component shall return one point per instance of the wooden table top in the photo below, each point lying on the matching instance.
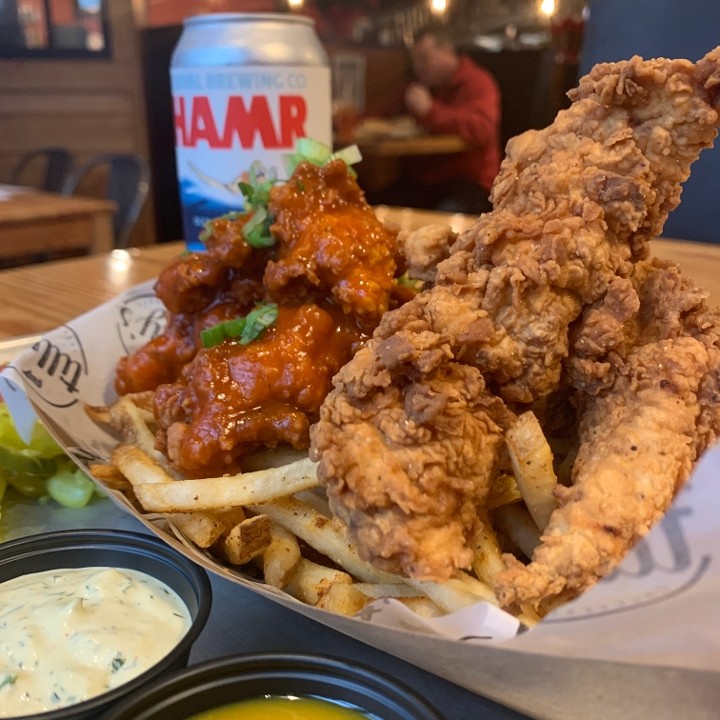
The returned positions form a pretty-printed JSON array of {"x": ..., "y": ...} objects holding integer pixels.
[
  {"x": 416, "y": 145},
  {"x": 38, "y": 298},
  {"x": 19, "y": 205}
]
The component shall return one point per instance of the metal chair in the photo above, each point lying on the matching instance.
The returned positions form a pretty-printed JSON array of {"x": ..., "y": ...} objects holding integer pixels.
[
  {"x": 127, "y": 181},
  {"x": 58, "y": 163}
]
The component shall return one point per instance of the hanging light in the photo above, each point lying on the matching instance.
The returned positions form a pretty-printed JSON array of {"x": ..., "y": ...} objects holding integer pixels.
[
  {"x": 547, "y": 8},
  {"x": 438, "y": 7},
  {"x": 295, "y": 3}
]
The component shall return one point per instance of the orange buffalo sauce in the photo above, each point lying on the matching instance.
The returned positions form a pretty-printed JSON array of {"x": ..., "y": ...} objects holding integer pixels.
[{"x": 282, "y": 708}]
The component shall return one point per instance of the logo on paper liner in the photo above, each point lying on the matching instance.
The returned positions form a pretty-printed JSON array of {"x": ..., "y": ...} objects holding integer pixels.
[
  {"x": 58, "y": 367},
  {"x": 140, "y": 319}
]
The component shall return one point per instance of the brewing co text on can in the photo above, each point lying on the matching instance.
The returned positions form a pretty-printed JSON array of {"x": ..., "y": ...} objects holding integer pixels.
[{"x": 239, "y": 98}]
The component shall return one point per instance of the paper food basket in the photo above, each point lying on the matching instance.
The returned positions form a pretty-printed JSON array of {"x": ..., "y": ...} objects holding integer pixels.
[{"x": 643, "y": 643}]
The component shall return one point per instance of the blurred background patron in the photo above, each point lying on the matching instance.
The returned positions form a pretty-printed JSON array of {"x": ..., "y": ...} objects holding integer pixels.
[{"x": 451, "y": 95}]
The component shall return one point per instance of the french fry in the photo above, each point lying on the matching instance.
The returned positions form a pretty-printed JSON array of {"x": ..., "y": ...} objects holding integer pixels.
[
  {"x": 487, "y": 562},
  {"x": 109, "y": 476},
  {"x": 564, "y": 469},
  {"x": 289, "y": 506},
  {"x": 317, "y": 499},
  {"x": 343, "y": 599},
  {"x": 322, "y": 534},
  {"x": 532, "y": 462},
  {"x": 422, "y": 606},
  {"x": 200, "y": 528},
  {"x": 384, "y": 590},
  {"x": 272, "y": 457},
  {"x": 132, "y": 423},
  {"x": 504, "y": 490},
  {"x": 246, "y": 540},
  {"x": 515, "y": 523},
  {"x": 311, "y": 581},
  {"x": 99, "y": 414},
  {"x": 229, "y": 491},
  {"x": 138, "y": 467},
  {"x": 453, "y": 594},
  {"x": 281, "y": 557}
]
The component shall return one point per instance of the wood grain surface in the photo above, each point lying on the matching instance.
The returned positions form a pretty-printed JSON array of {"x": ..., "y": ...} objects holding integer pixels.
[
  {"x": 38, "y": 298},
  {"x": 36, "y": 222}
]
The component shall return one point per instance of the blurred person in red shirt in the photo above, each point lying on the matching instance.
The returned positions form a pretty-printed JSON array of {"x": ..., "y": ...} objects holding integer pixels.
[{"x": 452, "y": 95}]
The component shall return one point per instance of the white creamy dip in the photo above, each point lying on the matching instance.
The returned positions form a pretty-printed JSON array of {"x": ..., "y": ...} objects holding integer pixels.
[{"x": 68, "y": 635}]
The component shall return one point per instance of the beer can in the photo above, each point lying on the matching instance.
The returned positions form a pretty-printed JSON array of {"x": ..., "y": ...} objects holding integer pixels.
[{"x": 245, "y": 86}]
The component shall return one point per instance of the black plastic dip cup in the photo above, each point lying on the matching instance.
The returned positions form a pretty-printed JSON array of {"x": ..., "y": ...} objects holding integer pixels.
[
  {"x": 241, "y": 677},
  {"x": 116, "y": 549}
]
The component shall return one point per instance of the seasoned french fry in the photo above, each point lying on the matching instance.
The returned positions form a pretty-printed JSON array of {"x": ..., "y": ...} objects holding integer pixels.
[
  {"x": 422, "y": 606},
  {"x": 515, "y": 523},
  {"x": 311, "y": 581},
  {"x": 98, "y": 413},
  {"x": 453, "y": 594},
  {"x": 230, "y": 491},
  {"x": 132, "y": 423},
  {"x": 289, "y": 506},
  {"x": 139, "y": 468},
  {"x": 272, "y": 457},
  {"x": 200, "y": 528},
  {"x": 504, "y": 490},
  {"x": 246, "y": 540},
  {"x": 229, "y": 517},
  {"x": 343, "y": 599},
  {"x": 317, "y": 499},
  {"x": 281, "y": 557},
  {"x": 110, "y": 476},
  {"x": 532, "y": 462},
  {"x": 322, "y": 534},
  {"x": 564, "y": 469},
  {"x": 383, "y": 590},
  {"x": 487, "y": 561}
]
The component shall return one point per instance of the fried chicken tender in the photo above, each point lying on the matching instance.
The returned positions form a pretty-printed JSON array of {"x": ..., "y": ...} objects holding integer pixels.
[
  {"x": 650, "y": 404},
  {"x": 415, "y": 440},
  {"x": 575, "y": 205}
]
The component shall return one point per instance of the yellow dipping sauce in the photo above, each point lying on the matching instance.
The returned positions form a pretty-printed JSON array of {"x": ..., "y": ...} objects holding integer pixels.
[{"x": 282, "y": 708}]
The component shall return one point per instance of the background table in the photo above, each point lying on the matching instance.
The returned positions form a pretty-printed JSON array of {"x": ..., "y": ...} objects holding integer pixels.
[
  {"x": 382, "y": 163},
  {"x": 34, "y": 222},
  {"x": 38, "y": 298}
]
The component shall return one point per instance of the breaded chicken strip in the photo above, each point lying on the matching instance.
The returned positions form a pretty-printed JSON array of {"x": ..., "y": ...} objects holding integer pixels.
[
  {"x": 415, "y": 441},
  {"x": 575, "y": 205},
  {"x": 648, "y": 389}
]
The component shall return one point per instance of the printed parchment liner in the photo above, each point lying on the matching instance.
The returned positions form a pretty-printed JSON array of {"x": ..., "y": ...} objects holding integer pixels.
[{"x": 644, "y": 642}]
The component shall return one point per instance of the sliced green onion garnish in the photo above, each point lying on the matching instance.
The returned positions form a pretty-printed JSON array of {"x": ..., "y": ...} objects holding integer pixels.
[
  {"x": 349, "y": 155},
  {"x": 257, "y": 321},
  {"x": 257, "y": 219},
  {"x": 312, "y": 150},
  {"x": 260, "y": 237},
  {"x": 319, "y": 154},
  {"x": 290, "y": 162},
  {"x": 212, "y": 336},
  {"x": 246, "y": 328},
  {"x": 256, "y": 191},
  {"x": 413, "y": 283}
]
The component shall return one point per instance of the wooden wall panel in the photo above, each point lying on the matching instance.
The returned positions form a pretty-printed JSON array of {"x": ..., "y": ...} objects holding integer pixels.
[{"x": 87, "y": 106}]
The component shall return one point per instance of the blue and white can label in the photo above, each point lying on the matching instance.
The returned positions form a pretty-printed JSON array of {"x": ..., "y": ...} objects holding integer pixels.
[{"x": 226, "y": 118}]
